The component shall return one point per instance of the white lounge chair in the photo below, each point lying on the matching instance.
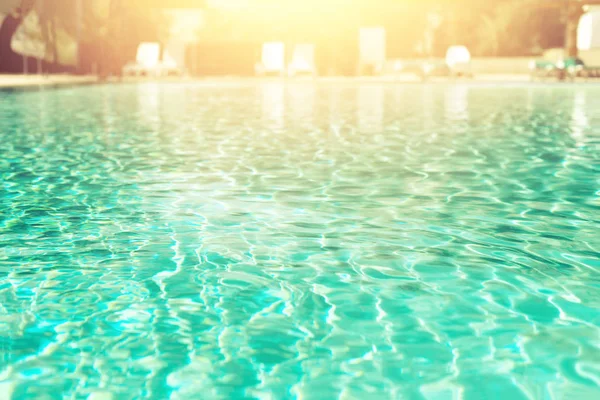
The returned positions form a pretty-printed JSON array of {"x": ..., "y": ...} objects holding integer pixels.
[
  {"x": 147, "y": 61},
  {"x": 272, "y": 59},
  {"x": 303, "y": 60},
  {"x": 372, "y": 50},
  {"x": 169, "y": 66}
]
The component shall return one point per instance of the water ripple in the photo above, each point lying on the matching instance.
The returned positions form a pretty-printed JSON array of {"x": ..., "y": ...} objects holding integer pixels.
[{"x": 300, "y": 240}]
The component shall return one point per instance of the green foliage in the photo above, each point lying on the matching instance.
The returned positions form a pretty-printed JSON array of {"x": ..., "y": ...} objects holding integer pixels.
[
  {"x": 488, "y": 28},
  {"x": 115, "y": 26}
]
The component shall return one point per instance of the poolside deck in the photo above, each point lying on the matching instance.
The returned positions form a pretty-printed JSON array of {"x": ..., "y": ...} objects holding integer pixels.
[
  {"x": 16, "y": 81},
  {"x": 32, "y": 81}
]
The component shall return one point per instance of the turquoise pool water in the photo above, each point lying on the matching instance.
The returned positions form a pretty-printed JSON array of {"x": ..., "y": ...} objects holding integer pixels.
[{"x": 307, "y": 241}]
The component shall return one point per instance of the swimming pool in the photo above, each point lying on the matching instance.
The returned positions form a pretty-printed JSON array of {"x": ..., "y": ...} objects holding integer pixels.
[{"x": 277, "y": 240}]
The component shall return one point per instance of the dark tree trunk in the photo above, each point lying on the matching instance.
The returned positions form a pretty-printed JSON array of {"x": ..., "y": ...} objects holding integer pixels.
[
  {"x": 13, "y": 63},
  {"x": 9, "y": 60},
  {"x": 54, "y": 41},
  {"x": 108, "y": 45},
  {"x": 574, "y": 13}
]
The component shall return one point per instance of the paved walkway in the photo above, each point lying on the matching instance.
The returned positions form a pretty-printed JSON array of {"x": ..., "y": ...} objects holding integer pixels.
[
  {"x": 16, "y": 81},
  {"x": 400, "y": 78}
]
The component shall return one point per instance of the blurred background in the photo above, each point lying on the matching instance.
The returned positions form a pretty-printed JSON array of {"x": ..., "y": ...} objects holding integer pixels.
[{"x": 333, "y": 37}]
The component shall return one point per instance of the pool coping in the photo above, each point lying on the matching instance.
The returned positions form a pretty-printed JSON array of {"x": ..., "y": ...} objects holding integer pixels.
[{"x": 10, "y": 83}]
